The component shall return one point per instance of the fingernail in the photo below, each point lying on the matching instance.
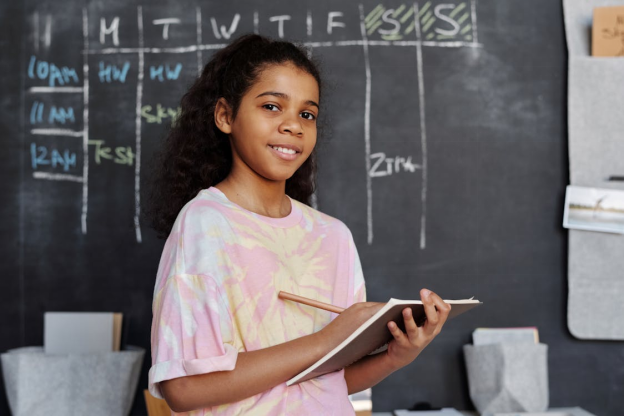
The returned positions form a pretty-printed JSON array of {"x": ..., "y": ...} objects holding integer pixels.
[
  {"x": 426, "y": 294},
  {"x": 391, "y": 325},
  {"x": 407, "y": 313}
]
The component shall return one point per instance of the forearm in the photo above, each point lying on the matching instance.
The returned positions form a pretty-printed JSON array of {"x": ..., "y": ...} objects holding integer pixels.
[
  {"x": 368, "y": 372},
  {"x": 255, "y": 372}
]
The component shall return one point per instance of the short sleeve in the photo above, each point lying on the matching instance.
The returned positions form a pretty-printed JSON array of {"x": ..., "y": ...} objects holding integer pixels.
[
  {"x": 357, "y": 284},
  {"x": 192, "y": 331}
]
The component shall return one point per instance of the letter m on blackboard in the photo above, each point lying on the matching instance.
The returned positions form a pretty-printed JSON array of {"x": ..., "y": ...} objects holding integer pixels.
[{"x": 112, "y": 29}]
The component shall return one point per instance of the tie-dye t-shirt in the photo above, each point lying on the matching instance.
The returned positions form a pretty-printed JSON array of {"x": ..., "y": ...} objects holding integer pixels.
[{"x": 216, "y": 295}]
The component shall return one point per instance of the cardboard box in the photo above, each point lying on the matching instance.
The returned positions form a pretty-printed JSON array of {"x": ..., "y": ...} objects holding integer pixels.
[{"x": 608, "y": 31}]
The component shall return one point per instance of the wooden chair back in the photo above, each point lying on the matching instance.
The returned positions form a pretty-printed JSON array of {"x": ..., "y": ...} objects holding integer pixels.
[{"x": 156, "y": 406}]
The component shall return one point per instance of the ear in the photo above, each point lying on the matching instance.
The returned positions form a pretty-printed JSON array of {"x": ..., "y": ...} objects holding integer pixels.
[{"x": 222, "y": 116}]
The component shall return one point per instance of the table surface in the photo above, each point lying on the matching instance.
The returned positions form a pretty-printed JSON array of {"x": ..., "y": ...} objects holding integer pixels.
[{"x": 554, "y": 411}]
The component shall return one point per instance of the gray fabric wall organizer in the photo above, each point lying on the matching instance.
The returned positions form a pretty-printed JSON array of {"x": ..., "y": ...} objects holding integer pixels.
[
  {"x": 508, "y": 377},
  {"x": 596, "y": 151}
]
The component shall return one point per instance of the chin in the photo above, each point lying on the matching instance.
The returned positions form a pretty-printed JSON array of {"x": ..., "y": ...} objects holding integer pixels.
[
  {"x": 277, "y": 176},
  {"x": 283, "y": 177}
]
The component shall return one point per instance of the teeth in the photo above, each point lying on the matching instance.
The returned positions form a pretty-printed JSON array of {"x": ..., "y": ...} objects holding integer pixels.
[{"x": 284, "y": 150}]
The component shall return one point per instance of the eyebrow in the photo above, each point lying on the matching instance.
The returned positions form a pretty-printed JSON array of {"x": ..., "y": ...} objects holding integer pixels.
[{"x": 286, "y": 97}]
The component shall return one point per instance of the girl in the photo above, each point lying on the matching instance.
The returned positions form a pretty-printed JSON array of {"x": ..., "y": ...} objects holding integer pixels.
[{"x": 232, "y": 194}]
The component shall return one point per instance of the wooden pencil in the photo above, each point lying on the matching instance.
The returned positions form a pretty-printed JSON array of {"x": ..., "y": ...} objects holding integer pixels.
[{"x": 308, "y": 301}]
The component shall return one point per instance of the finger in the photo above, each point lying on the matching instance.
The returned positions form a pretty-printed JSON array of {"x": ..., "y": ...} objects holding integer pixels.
[
  {"x": 398, "y": 335},
  {"x": 430, "y": 310},
  {"x": 443, "y": 310},
  {"x": 411, "y": 329},
  {"x": 443, "y": 307}
]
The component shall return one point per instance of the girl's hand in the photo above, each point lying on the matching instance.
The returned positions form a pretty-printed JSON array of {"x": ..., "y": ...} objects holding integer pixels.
[
  {"x": 405, "y": 347},
  {"x": 346, "y": 323}
]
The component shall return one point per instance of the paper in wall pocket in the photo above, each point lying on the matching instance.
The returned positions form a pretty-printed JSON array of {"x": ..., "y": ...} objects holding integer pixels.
[
  {"x": 608, "y": 31},
  {"x": 597, "y": 209}
]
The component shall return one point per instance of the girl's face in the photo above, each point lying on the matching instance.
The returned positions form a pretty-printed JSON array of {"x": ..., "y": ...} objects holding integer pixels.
[{"x": 279, "y": 111}]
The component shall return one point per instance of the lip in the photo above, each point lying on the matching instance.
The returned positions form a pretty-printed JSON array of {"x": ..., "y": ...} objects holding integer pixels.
[{"x": 284, "y": 156}]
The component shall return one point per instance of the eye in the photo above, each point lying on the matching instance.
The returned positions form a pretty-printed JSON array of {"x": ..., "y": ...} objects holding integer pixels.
[
  {"x": 271, "y": 107},
  {"x": 308, "y": 115}
]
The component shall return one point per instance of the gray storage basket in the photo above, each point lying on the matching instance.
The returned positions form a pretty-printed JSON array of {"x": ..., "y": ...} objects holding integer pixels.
[
  {"x": 508, "y": 378},
  {"x": 73, "y": 384}
]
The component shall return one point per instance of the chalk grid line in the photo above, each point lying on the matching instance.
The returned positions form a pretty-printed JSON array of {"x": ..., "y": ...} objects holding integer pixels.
[
  {"x": 369, "y": 188},
  {"x": 208, "y": 47},
  {"x": 423, "y": 132},
  {"x": 137, "y": 151},
  {"x": 39, "y": 175},
  {"x": 58, "y": 132},
  {"x": 85, "y": 124},
  {"x": 200, "y": 60}
]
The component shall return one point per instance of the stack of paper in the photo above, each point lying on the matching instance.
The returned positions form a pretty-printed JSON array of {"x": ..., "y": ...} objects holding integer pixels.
[
  {"x": 489, "y": 335},
  {"x": 66, "y": 333}
]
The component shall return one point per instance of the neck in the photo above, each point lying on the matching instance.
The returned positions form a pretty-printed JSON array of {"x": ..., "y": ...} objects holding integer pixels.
[{"x": 255, "y": 193}]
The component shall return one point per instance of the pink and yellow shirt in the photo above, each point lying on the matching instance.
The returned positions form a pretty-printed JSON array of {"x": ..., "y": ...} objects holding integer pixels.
[{"x": 216, "y": 295}]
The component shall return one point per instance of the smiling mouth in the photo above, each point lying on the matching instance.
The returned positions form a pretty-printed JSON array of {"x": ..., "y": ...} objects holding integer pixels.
[
  {"x": 284, "y": 150},
  {"x": 283, "y": 153}
]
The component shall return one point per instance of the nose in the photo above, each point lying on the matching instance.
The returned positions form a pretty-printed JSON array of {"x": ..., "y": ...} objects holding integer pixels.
[{"x": 292, "y": 126}]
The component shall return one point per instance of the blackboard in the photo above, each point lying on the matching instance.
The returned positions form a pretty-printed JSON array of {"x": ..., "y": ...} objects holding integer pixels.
[{"x": 445, "y": 153}]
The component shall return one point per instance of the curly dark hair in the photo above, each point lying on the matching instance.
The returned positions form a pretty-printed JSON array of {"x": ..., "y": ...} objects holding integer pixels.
[{"x": 196, "y": 154}]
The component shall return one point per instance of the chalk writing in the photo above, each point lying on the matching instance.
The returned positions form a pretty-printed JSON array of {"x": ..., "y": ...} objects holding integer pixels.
[
  {"x": 442, "y": 22},
  {"x": 39, "y": 155},
  {"x": 112, "y": 29},
  {"x": 159, "y": 72},
  {"x": 122, "y": 155},
  {"x": 223, "y": 32},
  {"x": 43, "y": 70},
  {"x": 36, "y": 113},
  {"x": 109, "y": 73},
  {"x": 55, "y": 115},
  {"x": 333, "y": 24},
  {"x": 160, "y": 114},
  {"x": 445, "y": 21},
  {"x": 399, "y": 163},
  {"x": 46, "y": 37},
  {"x": 280, "y": 24},
  {"x": 389, "y": 22},
  {"x": 61, "y": 115},
  {"x": 166, "y": 23}
]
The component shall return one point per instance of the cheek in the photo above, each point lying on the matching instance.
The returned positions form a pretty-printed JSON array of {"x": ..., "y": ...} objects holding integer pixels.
[
  {"x": 250, "y": 126},
  {"x": 312, "y": 144}
]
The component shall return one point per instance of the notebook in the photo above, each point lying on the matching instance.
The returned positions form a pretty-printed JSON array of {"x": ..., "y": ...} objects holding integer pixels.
[{"x": 372, "y": 336}]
